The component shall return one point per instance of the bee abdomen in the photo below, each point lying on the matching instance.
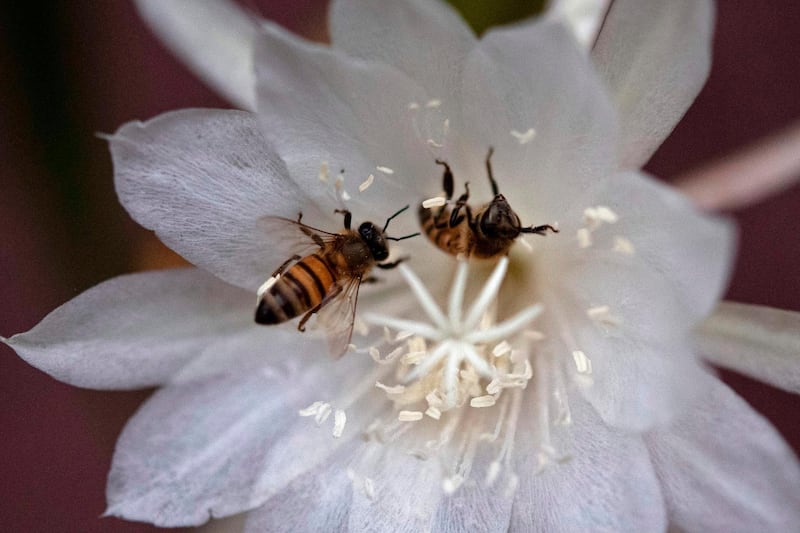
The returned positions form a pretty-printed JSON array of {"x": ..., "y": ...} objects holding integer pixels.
[{"x": 299, "y": 289}]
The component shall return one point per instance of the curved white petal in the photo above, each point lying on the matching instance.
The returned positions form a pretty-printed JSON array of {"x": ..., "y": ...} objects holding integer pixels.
[
  {"x": 724, "y": 468},
  {"x": 201, "y": 179},
  {"x": 226, "y": 444},
  {"x": 607, "y": 483},
  {"x": 319, "y": 500},
  {"x": 319, "y": 107},
  {"x": 136, "y": 330},
  {"x": 584, "y": 17},
  {"x": 655, "y": 57},
  {"x": 642, "y": 363},
  {"x": 213, "y": 37},
  {"x": 426, "y": 39},
  {"x": 757, "y": 341},
  {"x": 529, "y": 92}
]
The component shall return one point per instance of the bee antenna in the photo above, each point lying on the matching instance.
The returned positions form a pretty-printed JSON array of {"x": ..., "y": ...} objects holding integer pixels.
[
  {"x": 391, "y": 217},
  {"x": 403, "y": 238}
]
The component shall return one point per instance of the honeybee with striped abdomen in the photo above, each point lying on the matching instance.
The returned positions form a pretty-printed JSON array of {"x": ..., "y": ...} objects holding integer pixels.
[
  {"x": 486, "y": 232},
  {"x": 325, "y": 281}
]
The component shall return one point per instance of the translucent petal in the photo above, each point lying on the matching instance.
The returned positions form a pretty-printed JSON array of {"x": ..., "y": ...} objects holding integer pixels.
[
  {"x": 226, "y": 444},
  {"x": 201, "y": 179},
  {"x": 425, "y": 39},
  {"x": 321, "y": 108},
  {"x": 530, "y": 93},
  {"x": 655, "y": 57},
  {"x": 724, "y": 468},
  {"x": 136, "y": 330},
  {"x": 213, "y": 37},
  {"x": 757, "y": 341},
  {"x": 605, "y": 483}
]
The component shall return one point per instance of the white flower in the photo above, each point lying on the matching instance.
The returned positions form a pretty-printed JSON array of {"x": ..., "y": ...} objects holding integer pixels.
[{"x": 635, "y": 433}]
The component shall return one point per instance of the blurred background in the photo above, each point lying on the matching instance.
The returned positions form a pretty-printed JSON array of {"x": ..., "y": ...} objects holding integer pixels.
[{"x": 73, "y": 69}]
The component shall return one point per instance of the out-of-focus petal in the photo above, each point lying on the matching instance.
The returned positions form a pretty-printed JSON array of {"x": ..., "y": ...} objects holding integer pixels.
[
  {"x": 761, "y": 342},
  {"x": 136, "y": 330},
  {"x": 606, "y": 483},
  {"x": 426, "y": 39},
  {"x": 724, "y": 468},
  {"x": 213, "y": 37},
  {"x": 226, "y": 444},
  {"x": 319, "y": 107},
  {"x": 201, "y": 179},
  {"x": 530, "y": 93},
  {"x": 655, "y": 57}
]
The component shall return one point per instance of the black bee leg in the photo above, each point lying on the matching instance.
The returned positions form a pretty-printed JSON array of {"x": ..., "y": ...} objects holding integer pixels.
[
  {"x": 371, "y": 279},
  {"x": 447, "y": 179},
  {"x": 455, "y": 216},
  {"x": 393, "y": 264},
  {"x": 328, "y": 297},
  {"x": 495, "y": 190},
  {"x": 348, "y": 217},
  {"x": 285, "y": 264},
  {"x": 539, "y": 230}
]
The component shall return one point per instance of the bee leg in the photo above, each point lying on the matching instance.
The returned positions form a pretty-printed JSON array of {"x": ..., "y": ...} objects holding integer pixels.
[
  {"x": 539, "y": 230},
  {"x": 281, "y": 268},
  {"x": 328, "y": 297},
  {"x": 371, "y": 279},
  {"x": 348, "y": 217},
  {"x": 393, "y": 264},
  {"x": 456, "y": 217},
  {"x": 447, "y": 179},
  {"x": 495, "y": 189}
]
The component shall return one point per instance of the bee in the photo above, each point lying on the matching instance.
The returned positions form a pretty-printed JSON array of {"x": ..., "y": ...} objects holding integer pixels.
[
  {"x": 487, "y": 232},
  {"x": 326, "y": 280}
]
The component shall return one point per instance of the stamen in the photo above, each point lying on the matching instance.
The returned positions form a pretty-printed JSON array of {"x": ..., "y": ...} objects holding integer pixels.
[
  {"x": 409, "y": 416},
  {"x": 483, "y": 401},
  {"x": 623, "y": 246},
  {"x": 434, "y": 144},
  {"x": 436, "y": 201},
  {"x": 413, "y": 106},
  {"x": 385, "y": 170},
  {"x": 323, "y": 172},
  {"x": 394, "y": 389},
  {"x": 339, "y": 420},
  {"x": 433, "y": 103},
  {"x": 524, "y": 138},
  {"x": 365, "y": 185},
  {"x": 602, "y": 314}
]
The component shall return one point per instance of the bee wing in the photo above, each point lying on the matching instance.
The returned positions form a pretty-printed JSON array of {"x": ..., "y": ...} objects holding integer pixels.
[
  {"x": 294, "y": 238},
  {"x": 338, "y": 315}
]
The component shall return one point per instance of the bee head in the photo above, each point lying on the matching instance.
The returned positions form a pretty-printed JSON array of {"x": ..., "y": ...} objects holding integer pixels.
[
  {"x": 375, "y": 241},
  {"x": 499, "y": 221}
]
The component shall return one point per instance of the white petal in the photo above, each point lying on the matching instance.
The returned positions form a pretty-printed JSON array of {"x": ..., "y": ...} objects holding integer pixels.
[
  {"x": 201, "y": 179},
  {"x": 584, "y": 17},
  {"x": 137, "y": 330},
  {"x": 316, "y": 501},
  {"x": 655, "y": 56},
  {"x": 607, "y": 485},
  {"x": 724, "y": 468},
  {"x": 318, "y": 106},
  {"x": 757, "y": 341},
  {"x": 226, "y": 444},
  {"x": 534, "y": 76},
  {"x": 406, "y": 491},
  {"x": 215, "y": 39},
  {"x": 643, "y": 367},
  {"x": 425, "y": 39}
]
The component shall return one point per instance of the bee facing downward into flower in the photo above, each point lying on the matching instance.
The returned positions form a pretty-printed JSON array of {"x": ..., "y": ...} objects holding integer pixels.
[{"x": 568, "y": 396}]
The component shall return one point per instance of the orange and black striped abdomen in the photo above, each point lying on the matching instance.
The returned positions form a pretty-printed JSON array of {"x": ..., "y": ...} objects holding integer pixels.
[
  {"x": 435, "y": 224},
  {"x": 297, "y": 290}
]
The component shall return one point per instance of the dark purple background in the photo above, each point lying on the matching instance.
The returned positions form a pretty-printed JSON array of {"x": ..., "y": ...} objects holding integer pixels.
[{"x": 80, "y": 68}]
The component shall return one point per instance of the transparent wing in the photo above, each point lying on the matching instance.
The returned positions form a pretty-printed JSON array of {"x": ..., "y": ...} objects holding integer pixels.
[
  {"x": 337, "y": 316},
  {"x": 293, "y": 237}
]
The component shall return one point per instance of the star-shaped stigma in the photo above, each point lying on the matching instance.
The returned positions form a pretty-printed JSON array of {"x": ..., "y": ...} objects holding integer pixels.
[{"x": 460, "y": 341}]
